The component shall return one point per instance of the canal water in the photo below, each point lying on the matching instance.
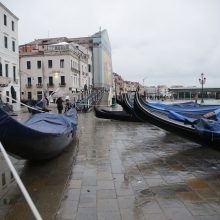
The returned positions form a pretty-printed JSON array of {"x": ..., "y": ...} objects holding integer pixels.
[{"x": 118, "y": 170}]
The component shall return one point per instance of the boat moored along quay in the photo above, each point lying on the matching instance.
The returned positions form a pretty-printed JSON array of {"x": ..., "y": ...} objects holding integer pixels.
[
  {"x": 43, "y": 136},
  {"x": 122, "y": 170},
  {"x": 199, "y": 129}
]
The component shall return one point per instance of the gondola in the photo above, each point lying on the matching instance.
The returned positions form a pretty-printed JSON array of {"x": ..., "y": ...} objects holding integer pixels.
[
  {"x": 114, "y": 115},
  {"x": 119, "y": 99},
  {"x": 127, "y": 114},
  {"x": 202, "y": 130},
  {"x": 184, "y": 108},
  {"x": 126, "y": 104},
  {"x": 43, "y": 136},
  {"x": 38, "y": 107}
]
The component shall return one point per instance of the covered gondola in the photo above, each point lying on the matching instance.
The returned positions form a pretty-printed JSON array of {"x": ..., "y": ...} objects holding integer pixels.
[
  {"x": 202, "y": 130},
  {"x": 41, "y": 137},
  {"x": 184, "y": 108}
]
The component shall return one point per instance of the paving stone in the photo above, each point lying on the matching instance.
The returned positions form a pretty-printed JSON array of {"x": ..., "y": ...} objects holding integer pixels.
[
  {"x": 105, "y": 205},
  {"x": 106, "y": 194},
  {"x": 109, "y": 215},
  {"x": 123, "y": 171},
  {"x": 86, "y": 214}
]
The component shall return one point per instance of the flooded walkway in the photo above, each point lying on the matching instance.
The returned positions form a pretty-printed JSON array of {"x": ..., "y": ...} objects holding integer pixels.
[
  {"x": 123, "y": 170},
  {"x": 138, "y": 171}
]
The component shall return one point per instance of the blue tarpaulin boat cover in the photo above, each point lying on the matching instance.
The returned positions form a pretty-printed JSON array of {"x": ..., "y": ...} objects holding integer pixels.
[
  {"x": 208, "y": 129},
  {"x": 179, "y": 117},
  {"x": 41, "y": 124},
  {"x": 185, "y": 108}
]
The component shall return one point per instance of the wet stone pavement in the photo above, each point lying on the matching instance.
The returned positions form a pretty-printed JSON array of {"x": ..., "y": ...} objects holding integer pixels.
[
  {"x": 128, "y": 170},
  {"x": 120, "y": 170}
]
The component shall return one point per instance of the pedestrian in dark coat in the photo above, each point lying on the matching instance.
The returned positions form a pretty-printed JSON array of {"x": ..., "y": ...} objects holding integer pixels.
[{"x": 59, "y": 105}]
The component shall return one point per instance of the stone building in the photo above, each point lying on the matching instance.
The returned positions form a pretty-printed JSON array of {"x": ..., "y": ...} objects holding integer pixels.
[
  {"x": 74, "y": 62},
  {"x": 118, "y": 84},
  {"x": 100, "y": 45},
  {"x": 54, "y": 65},
  {"x": 9, "y": 59}
]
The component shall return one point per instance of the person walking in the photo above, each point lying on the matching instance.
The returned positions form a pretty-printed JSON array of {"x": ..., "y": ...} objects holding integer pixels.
[{"x": 59, "y": 103}]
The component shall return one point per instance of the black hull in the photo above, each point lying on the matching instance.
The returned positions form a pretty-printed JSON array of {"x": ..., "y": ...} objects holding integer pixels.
[
  {"x": 37, "y": 148},
  {"x": 114, "y": 115},
  {"x": 161, "y": 120}
]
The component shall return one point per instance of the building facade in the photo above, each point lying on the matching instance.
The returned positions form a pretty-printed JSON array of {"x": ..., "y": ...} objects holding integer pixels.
[
  {"x": 100, "y": 45},
  {"x": 51, "y": 66},
  {"x": 118, "y": 84},
  {"x": 9, "y": 57},
  {"x": 87, "y": 60}
]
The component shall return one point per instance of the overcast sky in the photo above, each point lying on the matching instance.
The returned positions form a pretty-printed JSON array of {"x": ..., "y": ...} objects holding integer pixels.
[{"x": 156, "y": 41}]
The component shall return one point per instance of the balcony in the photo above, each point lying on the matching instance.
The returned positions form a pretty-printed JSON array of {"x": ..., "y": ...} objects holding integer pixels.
[
  {"x": 74, "y": 70},
  {"x": 62, "y": 84},
  {"x": 29, "y": 85},
  {"x": 39, "y": 85},
  {"x": 50, "y": 85},
  {"x": 4, "y": 81}
]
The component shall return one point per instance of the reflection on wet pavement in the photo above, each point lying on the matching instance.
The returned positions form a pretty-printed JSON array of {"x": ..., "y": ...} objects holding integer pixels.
[
  {"x": 138, "y": 171},
  {"x": 123, "y": 170},
  {"x": 45, "y": 182}
]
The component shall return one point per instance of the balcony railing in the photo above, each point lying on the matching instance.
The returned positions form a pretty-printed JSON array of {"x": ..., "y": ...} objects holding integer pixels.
[
  {"x": 4, "y": 81},
  {"x": 50, "y": 85},
  {"x": 29, "y": 85},
  {"x": 39, "y": 85},
  {"x": 62, "y": 84},
  {"x": 74, "y": 70}
]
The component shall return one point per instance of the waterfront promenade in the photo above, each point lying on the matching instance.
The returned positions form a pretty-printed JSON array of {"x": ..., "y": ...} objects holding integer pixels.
[{"x": 121, "y": 170}]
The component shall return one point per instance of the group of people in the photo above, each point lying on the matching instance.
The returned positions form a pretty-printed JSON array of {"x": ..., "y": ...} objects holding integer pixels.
[{"x": 60, "y": 102}]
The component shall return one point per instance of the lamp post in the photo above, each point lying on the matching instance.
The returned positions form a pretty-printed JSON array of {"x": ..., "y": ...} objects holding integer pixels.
[{"x": 202, "y": 81}]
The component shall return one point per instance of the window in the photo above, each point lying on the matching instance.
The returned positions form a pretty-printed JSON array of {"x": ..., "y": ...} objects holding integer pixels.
[
  {"x": 39, "y": 95},
  {"x": 6, "y": 70},
  {"x": 12, "y": 25},
  {"x": 62, "y": 80},
  {"x": 29, "y": 80},
  {"x": 50, "y": 64},
  {"x": 29, "y": 95},
  {"x": 14, "y": 73},
  {"x": 89, "y": 68},
  {"x": 62, "y": 63},
  {"x": 50, "y": 80},
  {"x": 0, "y": 69},
  {"x": 5, "y": 20},
  {"x": 13, "y": 46},
  {"x": 6, "y": 42},
  {"x": 28, "y": 65},
  {"x": 38, "y": 64},
  {"x": 39, "y": 80}
]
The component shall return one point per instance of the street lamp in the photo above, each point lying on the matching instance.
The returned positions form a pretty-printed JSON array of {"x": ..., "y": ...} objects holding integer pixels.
[{"x": 202, "y": 81}]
